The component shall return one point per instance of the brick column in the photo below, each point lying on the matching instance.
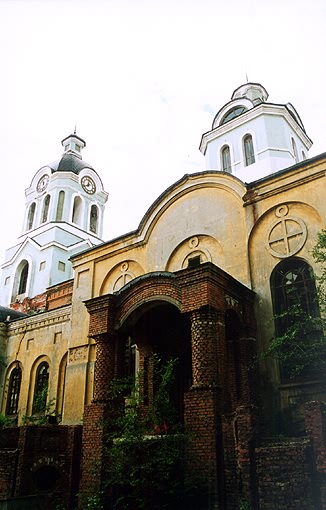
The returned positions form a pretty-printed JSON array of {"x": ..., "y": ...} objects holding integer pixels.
[
  {"x": 201, "y": 402},
  {"x": 204, "y": 336},
  {"x": 105, "y": 365},
  {"x": 97, "y": 415}
]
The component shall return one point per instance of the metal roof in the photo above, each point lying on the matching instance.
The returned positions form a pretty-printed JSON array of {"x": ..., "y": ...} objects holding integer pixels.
[{"x": 69, "y": 162}]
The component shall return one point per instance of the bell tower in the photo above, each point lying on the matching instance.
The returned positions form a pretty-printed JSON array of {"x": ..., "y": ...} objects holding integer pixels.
[
  {"x": 252, "y": 138},
  {"x": 64, "y": 211}
]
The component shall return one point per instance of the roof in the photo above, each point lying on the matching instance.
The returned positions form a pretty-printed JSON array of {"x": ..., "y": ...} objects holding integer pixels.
[
  {"x": 69, "y": 162},
  {"x": 8, "y": 314}
]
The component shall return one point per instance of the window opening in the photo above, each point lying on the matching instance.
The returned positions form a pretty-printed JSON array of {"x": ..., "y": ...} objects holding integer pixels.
[
  {"x": 60, "y": 205},
  {"x": 93, "y": 219},
  {"x": 248, "y": 150},
  {"x": 77, "y": 211},
  {"x": 46, "y": 478},
  {"x": 46, "y": 206},
  {"x": 231, "y": 114},
  {"x": 194, "y": 261},
  {"x": 226, "y": 159},
  {"x": 14, "y": 391},
  {"x": 31, "y": 215},
  {"x": 41, "y": 388},
  {"x": 293, "y": 284},
  {"x": 23, "y": 279}
]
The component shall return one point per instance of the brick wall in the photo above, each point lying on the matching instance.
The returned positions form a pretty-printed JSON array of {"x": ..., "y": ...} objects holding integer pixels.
[
  {"x": 285, "y": 476},
  {"x": 30, "y": 449},
  {"x": 60, "y": 295},
  {"x": 31, "y": 305},
  {"x": 54, "y": 297},
  {"x": 315, "y": 424}
]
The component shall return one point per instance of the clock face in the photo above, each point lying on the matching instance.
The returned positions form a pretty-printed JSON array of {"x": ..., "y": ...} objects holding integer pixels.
[
  {"x": 42, "y": 183},
  {"x": 88, "y": 184}
]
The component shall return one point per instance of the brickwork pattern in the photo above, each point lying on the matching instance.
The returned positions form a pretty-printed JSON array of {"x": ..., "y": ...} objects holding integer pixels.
[
  {"x": 35, "y": 448},
  {"x": 106, "y": 346},
  {"x": 8, "y": 465},
  {"x": 316, "y": 429},
  {"x": 204, "y": 341},
  {"x": 93, "y": 453},
  {"x": 285, "y": 478},
  {"x": 201, "y": 420}
]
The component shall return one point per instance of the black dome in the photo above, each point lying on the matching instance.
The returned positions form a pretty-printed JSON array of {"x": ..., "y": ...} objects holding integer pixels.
[{"x": 69, "y": 162}]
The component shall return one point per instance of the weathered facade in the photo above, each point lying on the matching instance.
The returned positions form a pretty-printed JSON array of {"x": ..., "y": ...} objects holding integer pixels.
[{"x": 199, "y": 280}]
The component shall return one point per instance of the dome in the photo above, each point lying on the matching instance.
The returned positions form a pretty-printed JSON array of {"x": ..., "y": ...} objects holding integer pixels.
[{"x": 69, "y": 162}]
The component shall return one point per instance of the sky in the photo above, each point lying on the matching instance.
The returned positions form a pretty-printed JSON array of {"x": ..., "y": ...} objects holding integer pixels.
[{"x": 142, "y": 80}]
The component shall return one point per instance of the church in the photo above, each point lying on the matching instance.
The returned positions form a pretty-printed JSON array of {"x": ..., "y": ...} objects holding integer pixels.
[{"x": 214, "y": 259}]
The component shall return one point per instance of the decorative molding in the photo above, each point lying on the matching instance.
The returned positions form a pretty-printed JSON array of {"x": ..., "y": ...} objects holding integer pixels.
[
  {"x": 287, "y": 235},
  {"x": 231, "y": 301},
  {"x": 40, "y": 320},
  {"x": 78, "y": 354}
]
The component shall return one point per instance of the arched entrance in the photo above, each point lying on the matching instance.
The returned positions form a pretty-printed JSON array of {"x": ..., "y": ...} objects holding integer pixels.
[{"x": 158, "y": 329}]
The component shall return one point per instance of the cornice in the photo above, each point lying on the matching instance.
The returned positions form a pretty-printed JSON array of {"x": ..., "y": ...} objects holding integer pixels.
[
  {"x": 282, "y": 185},
  {"x": 41, "y": 320}
]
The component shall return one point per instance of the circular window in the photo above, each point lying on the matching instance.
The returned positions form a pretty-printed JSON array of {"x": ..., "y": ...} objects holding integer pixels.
[{"x": 46, "y": 479}]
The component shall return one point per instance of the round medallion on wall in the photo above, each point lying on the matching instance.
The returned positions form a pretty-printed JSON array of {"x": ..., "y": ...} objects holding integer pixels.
[
  {"x": 286, "y": 235},
  {"x": 88, "y": 184},
  {"x": 42, "y": 183}
]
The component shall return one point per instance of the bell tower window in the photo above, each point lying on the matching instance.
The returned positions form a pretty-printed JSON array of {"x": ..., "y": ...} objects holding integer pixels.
[
  {"x": 77, "y": 211},
  {"x": 249, "y": 153},
  {"x": 45, "y": 212},
  {"x": 23, "y": 279},
  {"x": 226, "y": 159},
  {"x": 31, "y": 215},
  {"x": 93, "y": 219},
  {"x": 61, "y": 200}
]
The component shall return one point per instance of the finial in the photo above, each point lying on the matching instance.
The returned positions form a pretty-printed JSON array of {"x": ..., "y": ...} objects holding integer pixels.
[
  {"x": 76, "y": 127},
  {"x": 247, "y": 77}
]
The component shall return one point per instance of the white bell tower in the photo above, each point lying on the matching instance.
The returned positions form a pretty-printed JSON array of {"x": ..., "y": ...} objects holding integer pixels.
[
  {"x": 63, "y": 215},
  {"x": 252, "y": 138}
]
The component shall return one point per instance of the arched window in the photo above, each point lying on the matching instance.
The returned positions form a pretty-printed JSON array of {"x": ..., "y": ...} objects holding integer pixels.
[
  {"x": 295, "y": 150},
  {"x": 31, "y": 215},
  {"x": 93, "y": 220},
  {"x": 231, "y": 114},
  {"x": 303, "y": 155},
  {"x": 45, "y": 211},
  {"x": 77, "y": 211},
  {"x": 226, "y": 159},
  {"x": 248, "y": 148},
  {"x": 23, "y": 278},
  {"x": 293, "y": 288},
  {"x": 61, "y": 200},
  {"x": 14, "y": 391},
  {"x": 41, "y": 388}
]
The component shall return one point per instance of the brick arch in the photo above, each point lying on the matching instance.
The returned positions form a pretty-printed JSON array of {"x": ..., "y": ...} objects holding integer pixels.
[{"x": 145, "y": 289}]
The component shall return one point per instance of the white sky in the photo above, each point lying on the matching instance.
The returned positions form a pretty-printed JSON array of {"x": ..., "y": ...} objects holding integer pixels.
[{"x": 143, "y": 79}]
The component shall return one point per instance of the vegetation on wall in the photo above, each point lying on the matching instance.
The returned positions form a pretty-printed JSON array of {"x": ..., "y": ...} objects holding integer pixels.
[
  {"x": 301, "y": 346},
  {"x": 145, "y": 450}
]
